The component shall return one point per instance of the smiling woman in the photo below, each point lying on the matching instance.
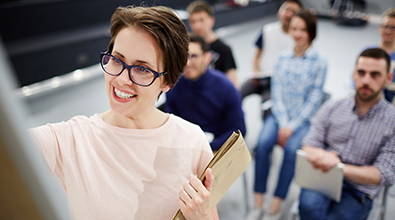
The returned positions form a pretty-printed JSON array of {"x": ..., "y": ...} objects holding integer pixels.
[
  {"x": 131, "y": 162},
  {"x": 297, "y": 93}
]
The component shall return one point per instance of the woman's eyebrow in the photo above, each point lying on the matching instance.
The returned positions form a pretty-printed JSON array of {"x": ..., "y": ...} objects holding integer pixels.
[
  {"x": 145, "y": 63},
  {"x": 118, "y": 54},
  {"x": 137, "y": 61}
]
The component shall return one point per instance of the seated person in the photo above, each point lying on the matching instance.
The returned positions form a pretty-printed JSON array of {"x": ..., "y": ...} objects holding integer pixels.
[
  {"x": 359, "y": 132},
  {"x": 202, "y": 20},
  {"x": 273, "y": 38},
  {"x": 297, "y": 93},
  {"x": 387, "y": 43},
  {"x": 206, "y": 97}
]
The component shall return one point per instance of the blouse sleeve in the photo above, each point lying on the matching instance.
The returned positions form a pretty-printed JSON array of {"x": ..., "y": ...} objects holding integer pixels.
[
  {"x": 50, "y": 142},
  {"x": 279, "y": 110}
]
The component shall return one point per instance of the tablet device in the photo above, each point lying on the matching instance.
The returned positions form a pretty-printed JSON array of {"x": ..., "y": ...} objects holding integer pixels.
[{"x": 330, "y": 183}]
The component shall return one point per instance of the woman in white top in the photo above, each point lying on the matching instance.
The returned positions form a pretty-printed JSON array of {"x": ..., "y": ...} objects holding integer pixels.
[{"x": 134, "y": 161}]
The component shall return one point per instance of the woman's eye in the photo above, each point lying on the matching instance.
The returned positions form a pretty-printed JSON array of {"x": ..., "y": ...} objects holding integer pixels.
[
  {"x": 115, "y": 61},
  {"x": 118, "y": 61},
  {"x": 143, "y": 70}
]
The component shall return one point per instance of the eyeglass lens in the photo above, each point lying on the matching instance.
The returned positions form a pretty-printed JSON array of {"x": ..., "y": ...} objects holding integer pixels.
[
  {"x": 138, "y": 74},
  {"x": 386, "y": 27}
]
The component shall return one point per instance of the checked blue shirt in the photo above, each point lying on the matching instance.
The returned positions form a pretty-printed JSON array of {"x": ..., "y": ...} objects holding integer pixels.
[{"x": 297, "y": 87}]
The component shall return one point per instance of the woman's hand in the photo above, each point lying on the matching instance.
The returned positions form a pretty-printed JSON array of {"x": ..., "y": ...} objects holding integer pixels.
[
  {"x": 194, "y": 200},
  {"x": 283, "y": 135}
]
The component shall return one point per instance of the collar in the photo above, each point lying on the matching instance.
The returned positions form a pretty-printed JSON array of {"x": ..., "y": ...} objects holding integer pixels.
[
  {"x": 372, "y": 110},
  {"x": 310, "y": 52}
]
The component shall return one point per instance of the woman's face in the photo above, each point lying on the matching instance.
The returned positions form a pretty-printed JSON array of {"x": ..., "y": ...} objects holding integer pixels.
[
  {"x": 135, "y": 46},
  {"x": 387, "y": 34},
  {"x": 298, "y": 31}
]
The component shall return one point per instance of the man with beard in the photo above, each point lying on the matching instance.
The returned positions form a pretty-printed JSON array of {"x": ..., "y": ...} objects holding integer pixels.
[{"x": 358, "y": 132}]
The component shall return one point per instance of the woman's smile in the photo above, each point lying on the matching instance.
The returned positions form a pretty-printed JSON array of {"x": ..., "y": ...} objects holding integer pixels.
[{"x": 122, "y": 95}]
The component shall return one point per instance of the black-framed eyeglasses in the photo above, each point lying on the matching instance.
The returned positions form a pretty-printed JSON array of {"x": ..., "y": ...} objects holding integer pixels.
[{"x": 139, "y": 75}]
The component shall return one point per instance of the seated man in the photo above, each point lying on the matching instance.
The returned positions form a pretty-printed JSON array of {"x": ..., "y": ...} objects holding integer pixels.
[
  {"x": 206, "y": 97},
  {"x": 201, "y": 21},
  {"x": 359, "y": 132}
]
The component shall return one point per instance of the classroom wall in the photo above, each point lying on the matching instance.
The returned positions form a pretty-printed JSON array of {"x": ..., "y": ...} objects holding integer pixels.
[{"x": 373, "y": 6}]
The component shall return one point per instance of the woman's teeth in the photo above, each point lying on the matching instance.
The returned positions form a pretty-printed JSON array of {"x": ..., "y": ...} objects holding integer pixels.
[{"x": 122, "y": 95}]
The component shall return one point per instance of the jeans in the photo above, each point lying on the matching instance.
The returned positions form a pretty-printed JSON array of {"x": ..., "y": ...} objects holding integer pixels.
[
  {"x": 354, "y": 205},
  {"x": 266, "y": 142}
]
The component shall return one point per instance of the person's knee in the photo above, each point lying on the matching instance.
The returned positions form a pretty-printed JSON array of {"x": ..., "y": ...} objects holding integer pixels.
[
  {"x": 267, "y": 137},
  {"x": 306, "y": 200},
  {"x": 262, "y": 150},
  {"x": 311, "y": 205},
  {"x": 290, "y": 152}
]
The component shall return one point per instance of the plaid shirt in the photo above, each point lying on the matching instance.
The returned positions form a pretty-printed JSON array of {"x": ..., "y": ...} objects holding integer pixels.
[
  {"x": 297, "y": 87},
  {"x": 367, "y": 140}
]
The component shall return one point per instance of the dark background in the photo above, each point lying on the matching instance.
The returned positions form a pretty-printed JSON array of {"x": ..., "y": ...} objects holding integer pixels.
[{"x": 44, "y": 39}]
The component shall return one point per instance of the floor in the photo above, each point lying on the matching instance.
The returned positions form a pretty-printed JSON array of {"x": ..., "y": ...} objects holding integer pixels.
[{"x": 339, "y": 44}]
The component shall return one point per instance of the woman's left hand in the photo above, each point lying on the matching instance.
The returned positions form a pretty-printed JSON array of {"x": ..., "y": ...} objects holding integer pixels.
[
  {"x": 194, "y": 200},
  {"x": 283, "y": 135}
]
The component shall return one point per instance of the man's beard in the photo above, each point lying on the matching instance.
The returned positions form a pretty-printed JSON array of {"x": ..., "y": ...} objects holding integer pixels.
[{"x": 370, "y": 98}]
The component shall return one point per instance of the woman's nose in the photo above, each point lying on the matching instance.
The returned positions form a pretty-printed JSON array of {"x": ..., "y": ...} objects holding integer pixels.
[{"x": 124, "y": 78}]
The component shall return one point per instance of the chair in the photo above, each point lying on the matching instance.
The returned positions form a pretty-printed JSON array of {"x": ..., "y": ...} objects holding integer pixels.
[{"x": 377, "y": 212}]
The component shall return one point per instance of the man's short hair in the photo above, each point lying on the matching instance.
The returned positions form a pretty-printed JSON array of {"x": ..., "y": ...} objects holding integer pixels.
[
  {"x": 389, "y": 13},
  {"x": 194, "y": 38},
  {"x": 295, "y": 1},
  {"x": 198, "y": 6},
  {"x": 376, "y": 53}
]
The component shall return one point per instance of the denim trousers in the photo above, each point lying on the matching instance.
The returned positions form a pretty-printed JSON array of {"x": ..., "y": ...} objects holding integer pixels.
[
  {"x": 266, "y": 142},
  {"x": 354, "y": 205}
]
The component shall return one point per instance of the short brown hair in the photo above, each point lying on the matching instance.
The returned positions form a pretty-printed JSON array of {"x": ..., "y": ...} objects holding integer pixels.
[
  {"x": 311, "y": 22},
  {"x": 376, "y": 53},
  {"x": 194, "y": 38},
  {"x": 198, "y": 6},
  {"x": 295, "y": 1},
  {"x": 167, "y": 29}
]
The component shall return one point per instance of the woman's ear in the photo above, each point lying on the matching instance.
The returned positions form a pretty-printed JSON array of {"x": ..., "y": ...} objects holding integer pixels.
[{"x": 166, "y": 88}]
